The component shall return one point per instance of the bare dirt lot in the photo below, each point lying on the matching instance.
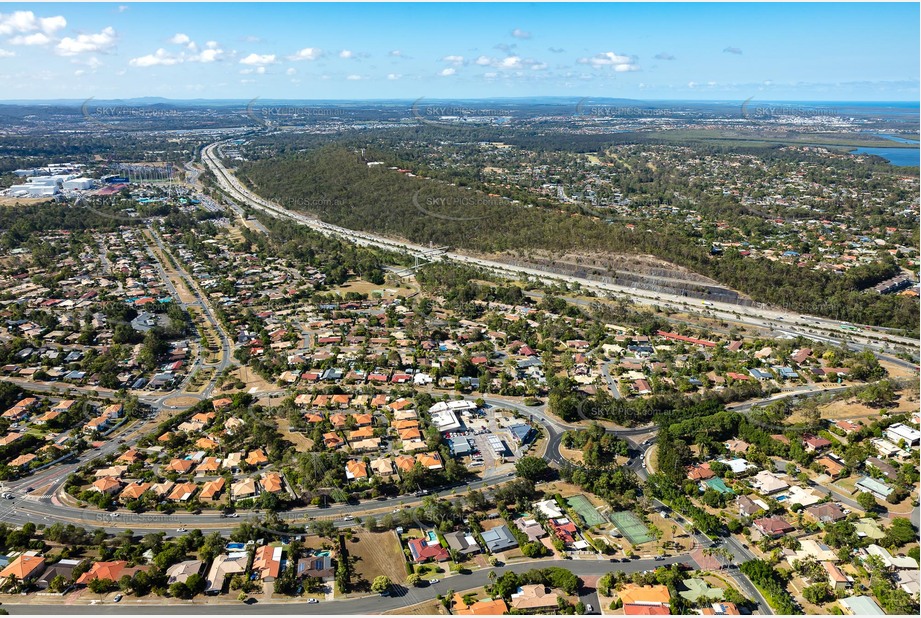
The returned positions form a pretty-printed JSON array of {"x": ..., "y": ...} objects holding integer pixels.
[{"x": 302, "y": 442}]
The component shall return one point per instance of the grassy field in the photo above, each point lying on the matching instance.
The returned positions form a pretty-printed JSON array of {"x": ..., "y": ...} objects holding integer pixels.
[{"x": 377, "y": 554}]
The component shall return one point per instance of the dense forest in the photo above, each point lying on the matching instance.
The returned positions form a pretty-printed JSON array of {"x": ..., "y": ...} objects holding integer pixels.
[{"x": 352, "y": 194}]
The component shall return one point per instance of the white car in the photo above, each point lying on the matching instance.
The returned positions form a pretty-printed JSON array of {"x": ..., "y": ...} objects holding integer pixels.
[
  {"x": 180, "y": 530},
  {"x": 312, "y": 601},
  {"x": 434, "y": 581}
]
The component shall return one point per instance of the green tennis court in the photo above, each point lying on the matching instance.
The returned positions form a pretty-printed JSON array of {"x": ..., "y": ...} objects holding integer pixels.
[
  {"x": 631, "y": 527},
  {"x": 583, "y": 506}
]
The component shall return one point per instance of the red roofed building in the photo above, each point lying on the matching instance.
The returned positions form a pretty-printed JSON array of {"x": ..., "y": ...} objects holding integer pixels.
[
  {"x": 634, "y": 609},
  {"x": 423, "y": 551},
  {"x": 103, "y": 570}
]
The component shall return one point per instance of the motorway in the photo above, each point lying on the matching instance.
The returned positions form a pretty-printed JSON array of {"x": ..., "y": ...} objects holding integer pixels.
[{"x": 866, "y": 338}]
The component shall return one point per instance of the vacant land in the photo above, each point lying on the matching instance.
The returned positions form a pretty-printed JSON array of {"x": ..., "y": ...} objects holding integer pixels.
[
  {"x": 852, "y": 410},
  {"x": 377, "y": 554},
  {"x": 426, "y": 608}
]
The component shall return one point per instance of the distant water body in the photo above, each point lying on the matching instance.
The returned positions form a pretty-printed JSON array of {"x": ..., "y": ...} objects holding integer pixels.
[{"x": 900, "y": 157}]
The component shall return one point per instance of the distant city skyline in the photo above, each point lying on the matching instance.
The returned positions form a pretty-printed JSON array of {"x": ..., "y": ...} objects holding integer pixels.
[{"x": 652, "y": 51}]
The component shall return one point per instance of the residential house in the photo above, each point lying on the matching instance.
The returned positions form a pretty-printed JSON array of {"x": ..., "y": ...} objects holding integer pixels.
[
  {"x": 534, "y": 597},
  {"x": 825, "y": 513},
  {"x": 243, "y": 489},
  {"x": 356, "y": 470},
  {"x": 773, "y": 527},
  {"x": 182, "y": 571},
  {"x": 222, "y": 567},
  {"x": 320, "y": 567},
  {"x": 462, "y": 542},
  {"x": 861, "y": 606},
  {"x": 879, "y": 489},
  {"x": 423, "y": 550},
  {"x": 499, "y": 539},
  {"x": 267, "y": 562},
  {"x": 531, "y": 528},
  {"x": 104, "y": 570},
  {"x": 656, "y": 596},
  {"x": 484, "y": 607},
  {"x": 25, "y": 566},
  {"x": 836, "y": 577},
  {"x": 212, "y": 490}
]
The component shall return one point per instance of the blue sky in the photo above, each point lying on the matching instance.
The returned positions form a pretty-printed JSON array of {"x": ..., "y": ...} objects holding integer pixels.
[{"x": 805, "y": 52}]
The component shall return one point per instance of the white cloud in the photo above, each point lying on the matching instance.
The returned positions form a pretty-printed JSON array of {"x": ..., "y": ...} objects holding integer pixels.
[
  {"x": 518, "y": 33},
  {"x": 354, "y": 78},
  {"x": 122, "y": 8},
  {"x": 258, "y": 59},
  {"x": 23, "y": 22},
  {"x": 308, "y": 53},
  {"x": 291, "y": 71},
  {"x": 538, "y": 66},
  {"x": 484, "y": 61},
  {"x": 161, "y": 57},
  {"x": 455, "y": 60},
  {"x": 448, "y": 72},
  {"x": 347, "y": 54},
  {"x": 393, "y": 76},
  {"x": 619, "y": 62},
  {"x": 50, "y": 25},
  {"x": 396, "y": 53},
  {"x": 36, "y": 38},
  {"x": 6, "y": 54},
  {"x": 99, "y": 42},
  {"x": 511, "y": 62},
  {"x": 211, "y": 54}
]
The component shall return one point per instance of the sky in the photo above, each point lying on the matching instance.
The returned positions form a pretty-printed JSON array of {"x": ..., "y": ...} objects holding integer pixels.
[{"x": 649, "y": 51}]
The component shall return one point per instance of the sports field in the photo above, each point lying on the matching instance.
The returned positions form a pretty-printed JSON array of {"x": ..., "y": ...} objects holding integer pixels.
[
  {"x": 581, "y": 505},
  {"x": 632, "y": 528}
]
